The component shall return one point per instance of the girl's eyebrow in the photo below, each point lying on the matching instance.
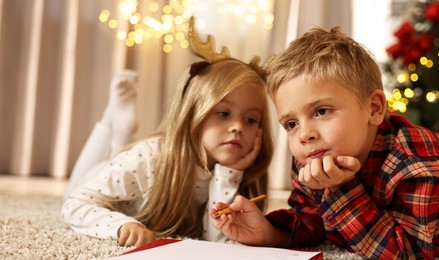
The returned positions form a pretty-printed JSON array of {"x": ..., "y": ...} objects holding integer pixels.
[{"x": 256, "y": 109}]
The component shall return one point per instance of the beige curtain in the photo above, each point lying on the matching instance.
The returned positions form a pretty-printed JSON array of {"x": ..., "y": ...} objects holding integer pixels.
[
  {"x": 56, "y": 64},
  {"x": 55, "y": 68}
]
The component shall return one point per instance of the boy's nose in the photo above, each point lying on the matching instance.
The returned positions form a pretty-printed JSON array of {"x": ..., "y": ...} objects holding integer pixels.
[{"x": 307, "y": 133}]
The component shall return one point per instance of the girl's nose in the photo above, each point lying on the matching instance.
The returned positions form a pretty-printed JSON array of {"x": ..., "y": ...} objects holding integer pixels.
[{"x": 237, "y": 127}]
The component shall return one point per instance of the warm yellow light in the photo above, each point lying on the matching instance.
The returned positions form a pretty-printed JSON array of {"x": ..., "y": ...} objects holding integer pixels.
[
  {"x": 131, "y": 35},
  {"x": 251, "y": 19},
  {"x": 129, "y": 42},
  {"x": 127, "y": 8},
  {"x": 411, "y": 67},
  {"x": 179, "y": 20},
  {"x": 184, "y": 44},
  {"x": 112, "y": 23},
  {"x": 168, "y": 38},
  {"x": 179, "y": 36},
  {"x": 135, "y": 18},
  {"x": 429, "y": 64},
  {"x": 414, "y": 77},
  {"x": 121, "y": 35},
  {"x": 153, "y": 7},
  {"x": 401, "y": 78},
  {"x": 138, "y": 38},
  {"x": 167, "y": 9},
  {"x": 153, "y": 23},
  {"x": 409, "y": 93},
  {"x": 402, "y": 107},
  {"x": 167, "y": 48},
  {"x": 423, "y": 60},
  {"x": 239, "y": 10},
  {"x": 431, "y": 97},
  {"x": 397, "y": 96},
  {"x": 175, "y": 16},
  {"x": 104, "y": 15}
]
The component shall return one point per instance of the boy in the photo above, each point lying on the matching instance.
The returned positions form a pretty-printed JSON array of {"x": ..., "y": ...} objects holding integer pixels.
[{"x": 367, "y": 181}]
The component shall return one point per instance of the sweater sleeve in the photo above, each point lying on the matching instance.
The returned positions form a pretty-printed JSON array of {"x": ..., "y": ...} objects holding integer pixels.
[
  {"x": 404, "y": 226},
  {"x": 112, "y": 196},
  {"x": 223, "y": 187}
]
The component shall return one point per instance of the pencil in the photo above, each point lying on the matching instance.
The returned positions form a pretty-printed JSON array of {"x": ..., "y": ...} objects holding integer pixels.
[{"x": 227, "y": 210}]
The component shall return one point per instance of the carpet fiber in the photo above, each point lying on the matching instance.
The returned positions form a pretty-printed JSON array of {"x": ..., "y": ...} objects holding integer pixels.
[{"x": 31, "y": 228}]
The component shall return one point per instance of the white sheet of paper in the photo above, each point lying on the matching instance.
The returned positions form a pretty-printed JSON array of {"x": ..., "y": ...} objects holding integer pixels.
[{"x": 197, "y": 249}]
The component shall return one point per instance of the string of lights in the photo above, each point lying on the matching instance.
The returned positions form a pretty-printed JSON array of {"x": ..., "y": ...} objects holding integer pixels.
[
  {"x": 413, "y": 67},
  {"x": 173, "y": 22}
]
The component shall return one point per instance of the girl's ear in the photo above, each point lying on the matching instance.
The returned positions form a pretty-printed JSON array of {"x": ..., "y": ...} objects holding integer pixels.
[{"x": 378, "y": 107}]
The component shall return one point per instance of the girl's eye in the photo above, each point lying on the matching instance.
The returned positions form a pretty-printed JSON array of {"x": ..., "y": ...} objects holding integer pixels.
[
  {"x": 251, "y": 121},
  {"x": 290, "y": 125},
  {"x": 223, "y": 114}
]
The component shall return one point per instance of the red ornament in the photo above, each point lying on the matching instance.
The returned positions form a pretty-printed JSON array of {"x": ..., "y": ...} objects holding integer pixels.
[
  {"x": 410, "y": 47},
  {"x": 432, "y": 12}
]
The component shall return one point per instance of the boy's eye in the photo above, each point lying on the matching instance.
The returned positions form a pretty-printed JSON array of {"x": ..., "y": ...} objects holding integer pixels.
[
  {"x": 322, "y": 111},
  {"x": 290, "y": 125}
]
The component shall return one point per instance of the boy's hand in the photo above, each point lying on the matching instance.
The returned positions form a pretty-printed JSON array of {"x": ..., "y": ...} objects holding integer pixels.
[
  {"x": 245, "y": 224},
  {"x": 248, "y": 160},
  {"x": 134, "y": 234},
  {"x": 329, "y": 173}
]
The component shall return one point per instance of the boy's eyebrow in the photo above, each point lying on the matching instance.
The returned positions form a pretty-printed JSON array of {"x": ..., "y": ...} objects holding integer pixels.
[{"x": 311, "y": 104}]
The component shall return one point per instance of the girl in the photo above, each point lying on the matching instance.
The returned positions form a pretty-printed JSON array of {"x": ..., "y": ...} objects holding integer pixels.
[{"x": 214, "y": 143}]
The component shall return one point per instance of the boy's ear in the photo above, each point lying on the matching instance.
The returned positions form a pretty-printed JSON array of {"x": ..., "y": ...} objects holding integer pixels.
[{"x": 378, "y": 107}]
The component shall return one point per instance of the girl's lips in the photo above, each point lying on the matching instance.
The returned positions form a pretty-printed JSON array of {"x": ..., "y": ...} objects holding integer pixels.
[{"x": 234, "y": 142}]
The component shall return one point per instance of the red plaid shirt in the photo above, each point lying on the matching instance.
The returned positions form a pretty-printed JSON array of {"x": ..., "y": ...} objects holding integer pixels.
[{"x": 390, "y": 210}]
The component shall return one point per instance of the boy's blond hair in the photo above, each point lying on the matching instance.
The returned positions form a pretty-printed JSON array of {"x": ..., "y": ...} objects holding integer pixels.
[
  {"x": 171, "y": 209},
  {"x": 321, "y": 55}
]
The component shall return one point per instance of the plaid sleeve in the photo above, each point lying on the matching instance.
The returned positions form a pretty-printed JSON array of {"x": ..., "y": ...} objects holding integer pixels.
[
  {"x": 305, "y": 229},
  {"x": 400, "y": 224}
]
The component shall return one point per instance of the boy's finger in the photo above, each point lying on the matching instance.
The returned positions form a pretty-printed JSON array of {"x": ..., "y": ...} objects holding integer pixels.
[{"x": 349, "y": 162}]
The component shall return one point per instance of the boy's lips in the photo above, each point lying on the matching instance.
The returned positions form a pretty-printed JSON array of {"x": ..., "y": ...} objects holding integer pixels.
[{"x": 317, "y": 154}]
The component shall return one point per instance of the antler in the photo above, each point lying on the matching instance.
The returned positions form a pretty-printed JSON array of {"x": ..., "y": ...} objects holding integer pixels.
[{"x": 206, "y": 49}]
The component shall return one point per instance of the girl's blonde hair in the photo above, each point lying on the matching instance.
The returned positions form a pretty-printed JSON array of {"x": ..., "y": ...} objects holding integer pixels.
[
  {"x": 320, "y": 55},
  {"x": 171, "y": 209}
]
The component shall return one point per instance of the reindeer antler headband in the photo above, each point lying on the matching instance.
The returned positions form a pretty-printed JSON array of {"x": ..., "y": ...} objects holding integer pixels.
[{"x": 207, "y": 51}]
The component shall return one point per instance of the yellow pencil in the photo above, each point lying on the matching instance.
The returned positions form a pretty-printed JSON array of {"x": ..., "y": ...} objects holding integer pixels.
[{"x": 227, "y": 210}]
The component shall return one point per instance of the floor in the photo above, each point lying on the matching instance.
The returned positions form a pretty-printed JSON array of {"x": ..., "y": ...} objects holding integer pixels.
[{"x": 50, "y": 186}]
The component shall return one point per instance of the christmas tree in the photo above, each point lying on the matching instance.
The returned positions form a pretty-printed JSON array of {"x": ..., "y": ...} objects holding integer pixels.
[{"x": 413, "y": 67}]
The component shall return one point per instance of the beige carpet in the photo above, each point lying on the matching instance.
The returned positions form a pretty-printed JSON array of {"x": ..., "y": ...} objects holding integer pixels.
[{"x": 31, "y": 228}]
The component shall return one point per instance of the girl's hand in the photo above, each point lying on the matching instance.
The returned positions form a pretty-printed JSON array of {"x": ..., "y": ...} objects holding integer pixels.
[
  {"x": 245, "y": 224},
  {"x": 134, "y": 234},
  {"x": 248, "y": 160},
  {"x": 329, "y": 173}
]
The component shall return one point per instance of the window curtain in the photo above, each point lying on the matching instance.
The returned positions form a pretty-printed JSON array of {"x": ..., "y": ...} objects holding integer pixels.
[{"x": 56, "y": 64}]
